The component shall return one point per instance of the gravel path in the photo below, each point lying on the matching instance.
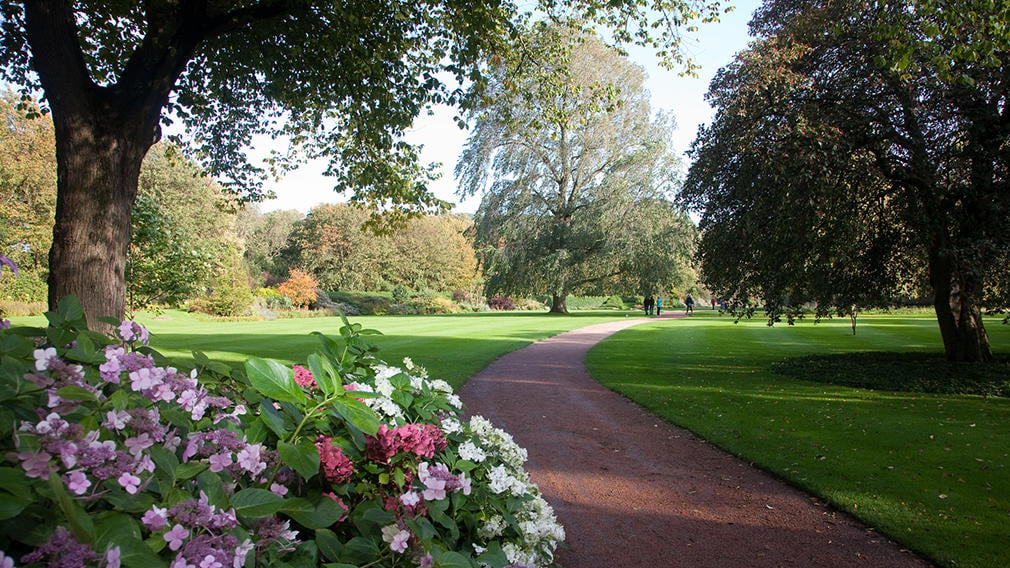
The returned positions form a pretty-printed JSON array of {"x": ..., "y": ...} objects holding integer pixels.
[{"x": 634, "y": 491}]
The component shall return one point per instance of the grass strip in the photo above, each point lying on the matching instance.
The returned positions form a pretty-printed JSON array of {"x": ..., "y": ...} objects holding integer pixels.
[
  {"x": 451, "y": 347},
  {"x": 931, "y": 471}
]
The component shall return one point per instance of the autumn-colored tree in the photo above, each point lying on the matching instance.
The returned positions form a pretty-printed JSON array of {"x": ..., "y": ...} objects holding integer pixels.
[{"x": 300, "y": 288}]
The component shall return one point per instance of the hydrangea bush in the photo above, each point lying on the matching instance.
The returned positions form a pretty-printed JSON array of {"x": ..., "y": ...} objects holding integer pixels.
[{"x": 112, "y": 457}]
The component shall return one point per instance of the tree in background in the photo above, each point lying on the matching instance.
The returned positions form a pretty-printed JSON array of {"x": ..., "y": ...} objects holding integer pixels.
[
  {"x": 300, "y": 288},
  {"x": 573, "y": 168},
  {"x": 265, "y": 236},
  {"x": 341, "y": 80},
  {"x": 180, "y": 225},
  {"x": 428, "y": 253},
  {"x": 857, "y": 151},
  {"x": 27, "y": 197}
]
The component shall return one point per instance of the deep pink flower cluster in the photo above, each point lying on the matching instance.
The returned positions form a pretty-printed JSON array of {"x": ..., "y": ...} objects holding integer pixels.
[
  {"x": 337, "y": 468},
  {"x": 304, "y": 377},
  {"x": 419, "y": 439}
]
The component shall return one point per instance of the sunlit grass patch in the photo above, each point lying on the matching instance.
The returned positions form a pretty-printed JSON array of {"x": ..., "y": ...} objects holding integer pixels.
[{"x": 931, "y": 471}]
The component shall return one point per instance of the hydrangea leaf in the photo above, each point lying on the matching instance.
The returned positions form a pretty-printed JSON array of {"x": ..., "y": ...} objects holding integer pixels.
[
  {"x": 357, "y": 414},
  {"x": 302, "y": 457},
  {"x": 274, "y": 380},
  {"x": 255, "y": 502},
  {"x": 326, "y": 513}
]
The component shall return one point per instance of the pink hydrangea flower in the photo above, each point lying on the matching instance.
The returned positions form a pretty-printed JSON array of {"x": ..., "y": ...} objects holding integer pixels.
[
  {"x": 78, "y": 482},
  {"x": 176, "y": 536},
  {"x": 304, "y": 377},
  {"x": 336, "y": 466},
  {"x": 155, "y": 519},
  {"x": 129, "y": 482}
]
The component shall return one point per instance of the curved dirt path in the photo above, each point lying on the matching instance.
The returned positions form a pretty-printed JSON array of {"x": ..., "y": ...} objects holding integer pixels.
[{"x": 633, "y": 491}]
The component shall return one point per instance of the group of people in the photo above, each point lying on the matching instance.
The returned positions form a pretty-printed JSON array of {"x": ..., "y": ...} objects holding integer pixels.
[{"x": 654, "y": 306}]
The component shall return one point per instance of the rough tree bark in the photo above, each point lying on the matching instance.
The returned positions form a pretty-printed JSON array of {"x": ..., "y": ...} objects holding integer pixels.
[
  {"x": 102, "y": 134},
  {"x": 955, "y": 301}
]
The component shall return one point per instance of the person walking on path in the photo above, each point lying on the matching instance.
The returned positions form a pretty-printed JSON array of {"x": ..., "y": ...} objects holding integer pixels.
[
  {"x": 659, "y": 306},
  {"x": 632, "y": 490},
  {"x": 688, "y": 304},
  {"x": 648, "y": 303}
]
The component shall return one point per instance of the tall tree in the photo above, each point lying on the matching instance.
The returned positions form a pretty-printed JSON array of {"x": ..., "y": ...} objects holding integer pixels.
[
  {"x": 578, "y": 167},
  {"x": 859, "y": 151},
  {"x": 430, "y": 252},
  {"x": 342, "y": 80},
  {"x": 27, "y": 197}
]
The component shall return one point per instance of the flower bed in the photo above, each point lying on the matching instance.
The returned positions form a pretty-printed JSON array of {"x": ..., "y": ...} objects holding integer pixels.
[{"x": 114, "y": 458}]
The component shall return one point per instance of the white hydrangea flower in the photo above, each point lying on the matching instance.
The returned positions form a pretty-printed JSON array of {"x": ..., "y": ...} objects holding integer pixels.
[
  {"x": 383, "y": 386},
  {"x": 451, "y": 426},
  {"x": 440, "y": 385},
  {"x": 492, "y": 528},
  {"x": 471, "y": 452},
  {"x": 384, "y": 372},
  {"x": 454, "y": 400}
]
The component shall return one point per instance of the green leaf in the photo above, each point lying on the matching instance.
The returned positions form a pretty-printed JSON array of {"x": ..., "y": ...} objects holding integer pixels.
[
  {"x": 325, "y": 373},
  {"x": 302, "y": 457},
  {"x": 274, "y": 419},
  {"x": 12, "y": 505},
  {"x": 84, "y": 351},
  {"x": 74, "y": 392},
  {"x": 274, "y": 380},
  {"x": 80, "y": 521},
  {"x": 452, "y": 559},
  {"x": 494, "y": 556},
  {"x": 254, "y": 502},
  {"x": 328, "y": 543},
  {"x": 188, "y": 470},
  {"x": 359, "y": 550},
  {"x": 325, "y": 514},
  {"x": 357, "y": 414}
]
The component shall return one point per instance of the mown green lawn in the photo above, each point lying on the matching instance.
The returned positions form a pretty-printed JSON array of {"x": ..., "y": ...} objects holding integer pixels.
[
  {"x": 451, "y": 347},
  {"x": 931, "y": 471}
]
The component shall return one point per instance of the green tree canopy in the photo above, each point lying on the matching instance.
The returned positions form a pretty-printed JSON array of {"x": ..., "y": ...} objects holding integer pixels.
[
  {"x": 428, "y": 253},
  {"x": 860, "y": 152},
  {"x": 574, "y": 171},
  {"x": 340, "y": 80}
]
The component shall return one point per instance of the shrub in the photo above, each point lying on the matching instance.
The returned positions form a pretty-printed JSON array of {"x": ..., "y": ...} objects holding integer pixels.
[
  {"x": 19, "y": 309},
  {"x": 118, "y": 459},
  {"x": 300, "y": 287},
  {"x": 401, "y": 294},
  {"x": 426, "y": 306},
  {"x": 501, "y": 303},
  {"x": 27, "y": 287},
  {"x": 613, "y": 303},
  {"x": 366, "y": 303}
]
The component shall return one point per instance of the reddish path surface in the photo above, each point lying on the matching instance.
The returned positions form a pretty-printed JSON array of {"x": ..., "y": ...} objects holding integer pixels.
[{"x": 633, "y": 491}]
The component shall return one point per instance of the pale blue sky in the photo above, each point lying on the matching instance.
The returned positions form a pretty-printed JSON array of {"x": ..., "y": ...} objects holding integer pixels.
[{"x": 712, "y": 47}]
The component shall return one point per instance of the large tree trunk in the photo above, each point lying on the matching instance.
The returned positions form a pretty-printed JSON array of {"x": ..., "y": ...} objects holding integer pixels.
[
  {"x": 102, "y": 135},
  {"x": 559, "y": 303},
  {"x": 955, "y": 300},
  {"x": 98, "y": 166}
]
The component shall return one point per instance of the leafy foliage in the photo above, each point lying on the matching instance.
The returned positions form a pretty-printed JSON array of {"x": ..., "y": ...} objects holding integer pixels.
[
  {"x": 121, "y": 459},
  {"x": 432, "y": 252},
  {"x": 573, "y": 170},
  {"x": 28, "y": 197},
  {"x": 859, "y": 155},
  {"x": 300, "y": 287}
]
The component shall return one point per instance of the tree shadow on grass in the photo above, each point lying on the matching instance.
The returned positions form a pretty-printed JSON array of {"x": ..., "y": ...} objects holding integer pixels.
[{"x": 901, "y": 372}]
